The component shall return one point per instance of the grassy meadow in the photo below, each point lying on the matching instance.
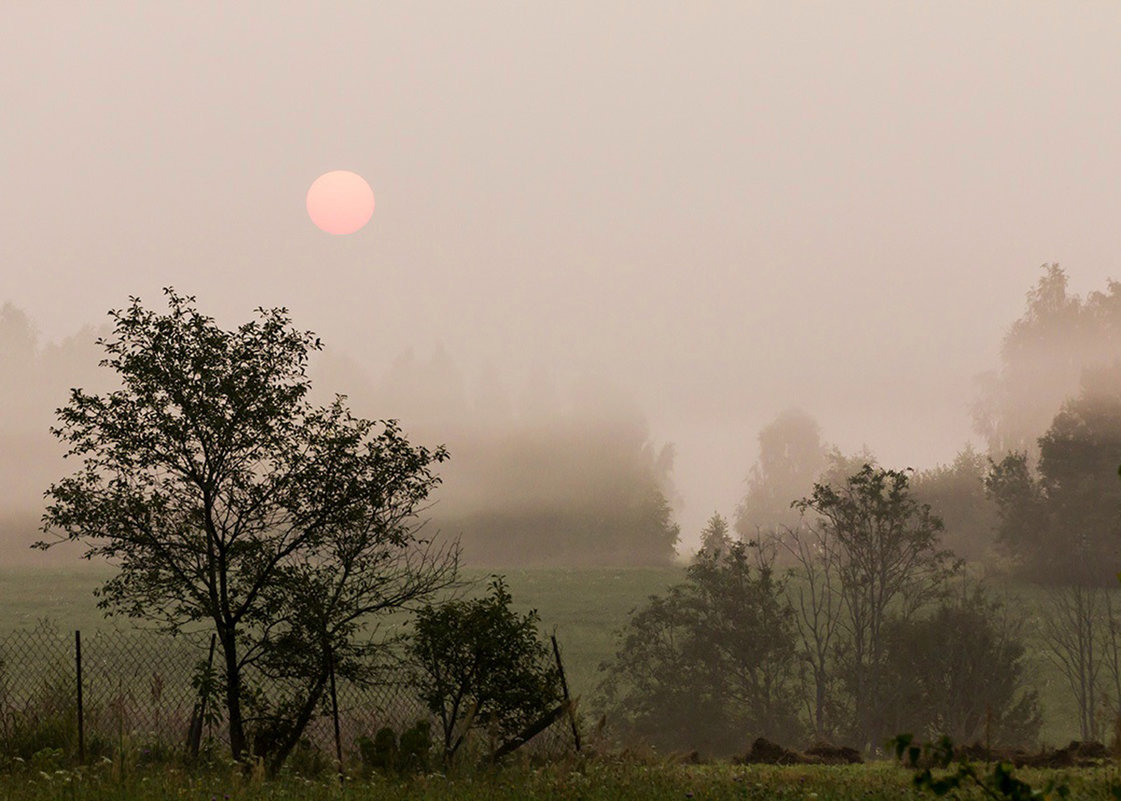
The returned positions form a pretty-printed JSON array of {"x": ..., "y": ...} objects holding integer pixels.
[
  {"x": 585, "y": 607},
  {"x": 593, "y": 779}
]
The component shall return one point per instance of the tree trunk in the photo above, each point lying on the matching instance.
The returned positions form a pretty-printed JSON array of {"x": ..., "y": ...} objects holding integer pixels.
[
  {"x": 303, "y": 717},
  {"x": 233, "y": 695}
]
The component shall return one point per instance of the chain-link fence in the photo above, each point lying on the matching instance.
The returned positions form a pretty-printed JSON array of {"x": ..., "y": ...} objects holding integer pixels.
[{"x": 140, "y": 690}]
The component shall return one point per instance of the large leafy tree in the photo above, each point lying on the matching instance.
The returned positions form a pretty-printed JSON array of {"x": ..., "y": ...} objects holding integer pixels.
[
  {"x": 960, "y": 671},
  {"x": 889, "y": 565},
  {"x": 1042, "y": 358},
  {"x": 226, "y": 500},
  {"x": 792, "y": 457}
]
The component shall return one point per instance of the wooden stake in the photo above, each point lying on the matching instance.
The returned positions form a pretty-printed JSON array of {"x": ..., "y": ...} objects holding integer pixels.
[{"x": 564, "y": 689}]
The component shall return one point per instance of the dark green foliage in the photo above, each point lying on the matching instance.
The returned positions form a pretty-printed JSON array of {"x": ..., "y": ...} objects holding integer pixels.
[
  {"x": 479, "y": 664},
  {"x": 1023, "y": 531},
  {"x": 414, "y": 751},
  {"x": 46, "y": 720},
  {"x": 309, "y": 761},
  {"x": 380, "y": 753},
  {"x": 709, "y": 665},
  {"x": 386, "y": 754},
  {"x": 1001, "y": 783},
  {"x": 959, "y": 672}
]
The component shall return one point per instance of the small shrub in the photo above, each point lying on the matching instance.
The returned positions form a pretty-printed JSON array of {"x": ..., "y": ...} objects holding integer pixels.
[
  {"x": 155, "y": 752},
  {"x": 411, "y": 753},
  {"x": 26, "y": 737},
  {"x": 480, "y": 663},
  {"x": 380, "y": 753},
  {"x": 415, "y": 748}
]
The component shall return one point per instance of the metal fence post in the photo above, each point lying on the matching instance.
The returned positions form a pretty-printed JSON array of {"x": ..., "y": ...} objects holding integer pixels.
[{"x": 81, "y": 716}]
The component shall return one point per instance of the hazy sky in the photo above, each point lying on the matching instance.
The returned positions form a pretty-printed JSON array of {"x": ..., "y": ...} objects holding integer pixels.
[{"x": 729, "y": 208}]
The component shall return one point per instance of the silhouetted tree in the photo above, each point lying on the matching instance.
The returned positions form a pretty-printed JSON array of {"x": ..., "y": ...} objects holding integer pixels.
[
  {"x": 815, "y": 595},
  {"x": 225, "y": 499},
  {"x": 714, "y": 536},
  {"x": 1064, "y": 525},
  {"x": 889, "y": 565},
  {"x": 1072, "y": 628},
  {"x": 1042, "y": 359}
]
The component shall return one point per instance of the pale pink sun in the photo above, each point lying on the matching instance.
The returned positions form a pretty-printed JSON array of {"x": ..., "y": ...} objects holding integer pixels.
[{"x": 340, "y": 202}]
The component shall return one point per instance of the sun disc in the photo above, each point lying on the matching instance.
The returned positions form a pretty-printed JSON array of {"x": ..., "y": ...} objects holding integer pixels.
[{"x": 340, "y": 202}]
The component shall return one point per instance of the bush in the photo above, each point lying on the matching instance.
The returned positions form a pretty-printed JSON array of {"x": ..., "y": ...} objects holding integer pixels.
[
  {"x": 478, "y": 663},
  {"x": 380, "y": 753},
  {"x": 388, "y": 754},
  {"x": 711, "y": 664}
]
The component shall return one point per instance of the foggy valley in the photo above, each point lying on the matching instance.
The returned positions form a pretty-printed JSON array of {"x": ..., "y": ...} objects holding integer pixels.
[{"x": 581, "y": 400}]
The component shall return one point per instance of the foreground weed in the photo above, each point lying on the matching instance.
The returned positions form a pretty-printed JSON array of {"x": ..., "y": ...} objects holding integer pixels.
[
  {"x": 581, "y": 779},
  {"x": 1000, "y": 783}
]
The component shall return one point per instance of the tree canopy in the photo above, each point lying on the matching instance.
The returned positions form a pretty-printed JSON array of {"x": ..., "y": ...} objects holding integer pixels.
[
  {"x": 1061, "y": 522},
  {"x": 1042, "y": 358},
  {"x": 226, "y": 500},
  {"x": 792, "y": 457}
]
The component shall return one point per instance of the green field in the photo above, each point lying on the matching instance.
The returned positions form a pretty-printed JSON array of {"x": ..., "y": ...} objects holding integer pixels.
[{"x": 585, "y": 606}]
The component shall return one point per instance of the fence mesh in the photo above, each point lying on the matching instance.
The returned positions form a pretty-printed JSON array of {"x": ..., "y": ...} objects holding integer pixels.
[{"x": 137, "y": 692}]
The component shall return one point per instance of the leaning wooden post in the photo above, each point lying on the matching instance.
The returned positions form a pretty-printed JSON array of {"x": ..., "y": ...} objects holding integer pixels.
[
  {"x": 564, "y": 689},
  {"x": 335, "y": 712},
  {"x": 198, "y": 713},
  {"x": 81, "y": 716}
]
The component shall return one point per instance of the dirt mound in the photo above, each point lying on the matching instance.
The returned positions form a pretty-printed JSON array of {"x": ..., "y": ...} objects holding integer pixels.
[
  {"x": 1075, "y": 755},
  {"x": 764, "y": 752},
  {"x": 834, "y": 754}
]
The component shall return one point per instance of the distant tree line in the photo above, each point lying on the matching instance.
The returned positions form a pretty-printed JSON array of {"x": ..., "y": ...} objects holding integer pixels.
[
  {"x": 869, "y": 652},
  {"x": 870, "y": 631}
]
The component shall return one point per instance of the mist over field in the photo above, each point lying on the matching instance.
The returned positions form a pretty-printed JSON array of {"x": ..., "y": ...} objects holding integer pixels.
[
  {"x": 599, "y": 231},
  {"x": 428, "y": 382}
]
